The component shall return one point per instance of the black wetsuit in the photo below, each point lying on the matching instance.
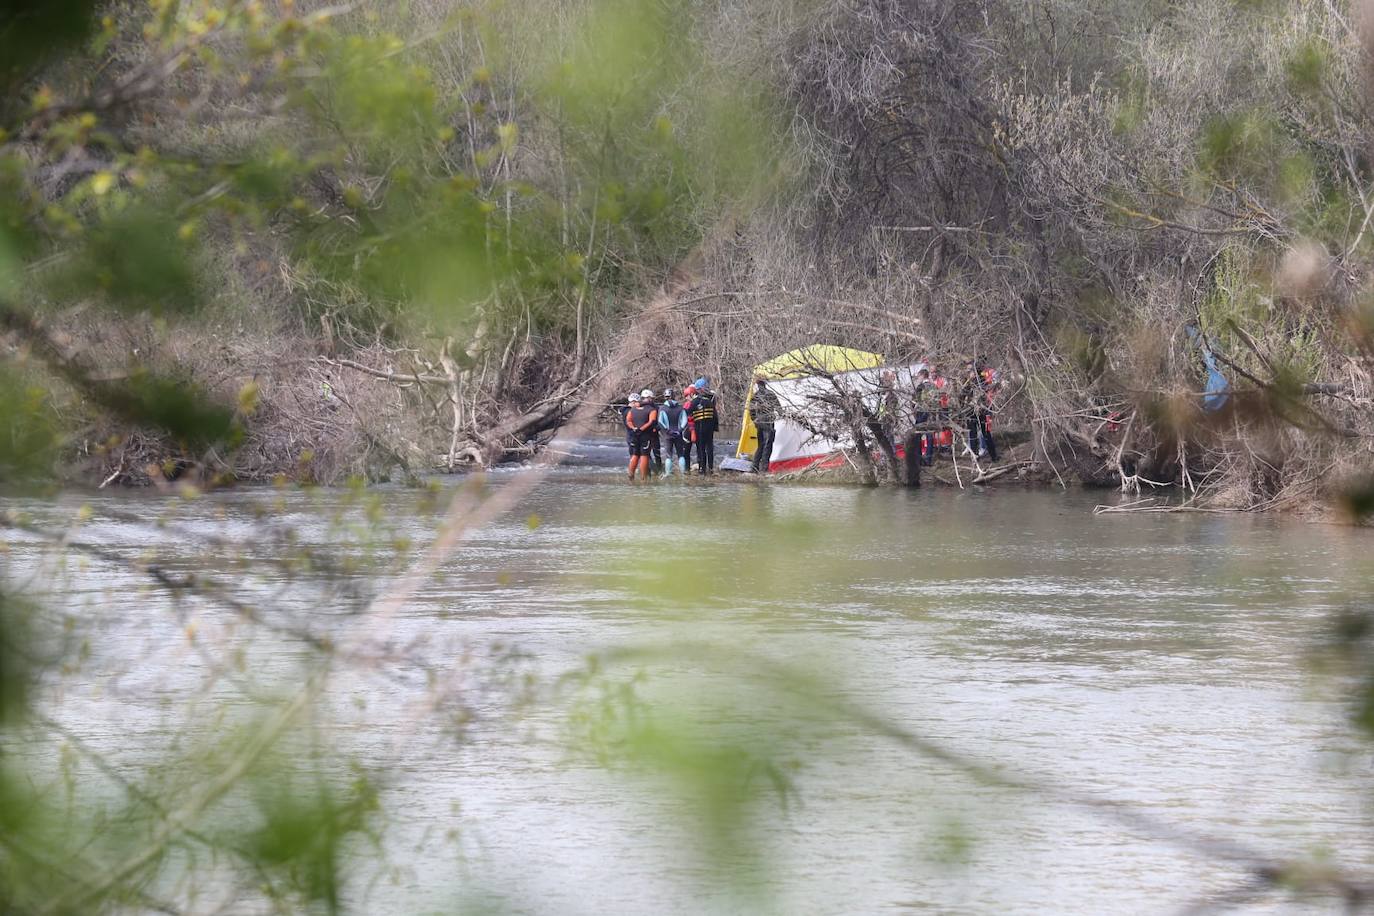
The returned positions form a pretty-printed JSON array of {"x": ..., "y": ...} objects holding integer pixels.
[
  {"x": 655, "y": 445},
  {"x": 624, "y": 410},
  {"x": 975, "y": 396},
  {"x": 705, "y": 420},
  {"x": 925, "y": 442},
  {"x": 672, "y": 418}
]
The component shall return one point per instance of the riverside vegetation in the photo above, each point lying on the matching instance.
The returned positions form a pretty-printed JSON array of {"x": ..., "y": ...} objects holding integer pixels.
[
  {"x": 316, "y": 242},
  {"x": 252, "y": 239}
]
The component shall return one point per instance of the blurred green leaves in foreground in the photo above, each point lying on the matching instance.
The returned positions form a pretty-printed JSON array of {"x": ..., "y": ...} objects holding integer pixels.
[
  {"x": 307, "y": 824},
  {"x": 28, "y": 428},
  {"x": 17, "y": 663}
]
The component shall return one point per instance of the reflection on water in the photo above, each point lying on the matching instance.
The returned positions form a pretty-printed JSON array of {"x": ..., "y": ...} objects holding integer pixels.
[{"x": 1154, "y": 659}]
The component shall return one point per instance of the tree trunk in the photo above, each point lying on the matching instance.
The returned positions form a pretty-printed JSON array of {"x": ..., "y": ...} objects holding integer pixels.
[
  {"x": 912, "y": 477},
  {"x": 863, "y": 456}
]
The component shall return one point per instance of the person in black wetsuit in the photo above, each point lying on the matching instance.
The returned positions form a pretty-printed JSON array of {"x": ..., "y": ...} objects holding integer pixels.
[
  {"x": 672, "y": 422},
  {"x": 651, "y": 435},
  {"x": 975, "y": 396},
  {"x": 705, "y": 420},
  {"x": 923, "y": 412},
  {"x": 764, "y": 408},
  {"x": 688, "y": 394}
]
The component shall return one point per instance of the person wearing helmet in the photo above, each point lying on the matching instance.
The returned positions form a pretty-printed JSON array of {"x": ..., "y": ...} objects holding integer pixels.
[
  {"x": 975, "y": 396},
  {"x": 624, "y": 410},
  {"x": 687, "y": 394},
  {"x": 655, "y": 446},
  {"x": 672, "y": 421},
  {"x": 705, "y": 420},
  {"x": 640, "y": 419}
]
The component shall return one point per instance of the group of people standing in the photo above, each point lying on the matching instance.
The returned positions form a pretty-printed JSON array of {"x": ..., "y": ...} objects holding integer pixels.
[
  {"x": 919, "y": 414},
  {"x": 922, "y": 426},
  {"x": 685, "y": 425},
  {"x": 936, "y": 404},
  {"x": 655, "y": 423}
]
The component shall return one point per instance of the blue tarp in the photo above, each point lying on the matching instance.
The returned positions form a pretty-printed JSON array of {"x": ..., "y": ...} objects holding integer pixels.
[{"x": 1214, "y": 394}]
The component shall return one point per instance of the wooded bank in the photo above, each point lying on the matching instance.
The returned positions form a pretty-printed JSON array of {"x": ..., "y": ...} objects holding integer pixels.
[{"x": 359, "y": 240}]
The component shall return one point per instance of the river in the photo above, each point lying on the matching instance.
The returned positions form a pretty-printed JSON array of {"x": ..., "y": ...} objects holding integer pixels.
[{"x": 1160, "y": 661}]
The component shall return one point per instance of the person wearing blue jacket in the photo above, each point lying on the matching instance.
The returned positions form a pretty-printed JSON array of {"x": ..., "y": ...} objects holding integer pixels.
[{"x": 672, "y": 420}]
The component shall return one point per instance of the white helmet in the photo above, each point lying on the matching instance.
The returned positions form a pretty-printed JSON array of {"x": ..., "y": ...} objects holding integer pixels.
[
  {"x": 631, "y": 397},
  {"x": 646, "y": 395}
]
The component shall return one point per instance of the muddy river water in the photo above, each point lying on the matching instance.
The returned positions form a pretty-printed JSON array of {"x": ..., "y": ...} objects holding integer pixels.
[{"x": 1159, "y": 661}]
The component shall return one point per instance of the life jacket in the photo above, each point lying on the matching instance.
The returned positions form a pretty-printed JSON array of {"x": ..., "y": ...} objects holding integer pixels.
[
  {"x": 991, "y": 380},
  {"x": 640, "y": 417},
  {"x": 941, "y": 383},
  {"x": 673, "y": 418},
  {"x": 704, "y": 410},
  {"x": 923, "y": 396}
]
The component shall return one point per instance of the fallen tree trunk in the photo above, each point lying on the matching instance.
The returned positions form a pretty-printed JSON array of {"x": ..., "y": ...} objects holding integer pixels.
[{"x": 1000, "y": 471}]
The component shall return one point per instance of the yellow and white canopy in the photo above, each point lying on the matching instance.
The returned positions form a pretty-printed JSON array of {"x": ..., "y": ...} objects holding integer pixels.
[{"x": 796, "y": 373}]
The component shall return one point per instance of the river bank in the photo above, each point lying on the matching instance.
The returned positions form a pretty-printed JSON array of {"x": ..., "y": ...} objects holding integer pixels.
[
  {"x": 600, "y": 457},
  {"x": 291, "y": 409}
]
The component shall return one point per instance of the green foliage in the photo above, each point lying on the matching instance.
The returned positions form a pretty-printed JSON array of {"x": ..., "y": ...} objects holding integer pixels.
[
  {"x": 1296, "y": 178},
  {"x": 172, "y": 405},
  {"x": 269, "y": 177},
  {"x": 29, "y": 438},
  {"x": 666, "y": 136},
  {"x": 424, "y": 251},
  {"x": 696, "y": 741},
  {"x": 1240, "y": 147},
  {"x": 622, "y": 53},
  {"x": 1349, "y": 648},
  {"x": 34, "y": 31},
  {"x": 137, "y": 258},
  {"x": 1086, "y": 350},
  {"x": 17, "y": 666},
  {"x": 1236, "y": 297},
  {"x": 370, "y": 94},
  {"x": 1132, "y": 102},
  {"x": 29, "y": 838},
  {"x": 305, "y": 828},
  {"x": 1307, "y": 68},
  {"x": 1239, "y": 307}
]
